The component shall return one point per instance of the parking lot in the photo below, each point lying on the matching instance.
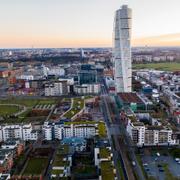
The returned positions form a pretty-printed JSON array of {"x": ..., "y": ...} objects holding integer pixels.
[{"x": 161, "y": 167}]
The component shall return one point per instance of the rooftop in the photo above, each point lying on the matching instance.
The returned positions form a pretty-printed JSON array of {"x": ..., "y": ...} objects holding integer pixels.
[{"x": 129, "y": 98}]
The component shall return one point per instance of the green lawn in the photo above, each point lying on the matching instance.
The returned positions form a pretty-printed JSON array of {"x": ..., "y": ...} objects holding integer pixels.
[
  {"x": 77, "y": 106},
  {"x": 102, "y": 130},
  {"x": 85, "y": 169},
  {"x": 120, "y": 170},
  {"x": 57, "y": 171},
  {"x": 8, "y": 110},
  {"x": 47, "y": 101},
  {"x": 35, "y": 166},
  {"x": 107, "y": 170},
  {"x": 159, "y": 66},
  {"x": 26, "y": 102}
]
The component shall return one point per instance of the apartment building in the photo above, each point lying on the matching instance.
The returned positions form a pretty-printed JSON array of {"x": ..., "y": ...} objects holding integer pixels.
[
  {"x": 57, "y": 88},
  {"x": 60, "y": 131},
  {"x": 24, "y": 132},
  {"x": 87, "y": 89},
  {"x": 143, "y": 135}
]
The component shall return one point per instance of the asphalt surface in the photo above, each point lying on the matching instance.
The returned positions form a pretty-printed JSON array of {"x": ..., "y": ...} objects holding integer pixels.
[{"x": 115, "y": 129}]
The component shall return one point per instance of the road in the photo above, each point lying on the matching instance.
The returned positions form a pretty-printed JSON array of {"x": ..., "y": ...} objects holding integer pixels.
[
  {"x": 116, "y": 150},
  {"x": 122, "y": 140}
]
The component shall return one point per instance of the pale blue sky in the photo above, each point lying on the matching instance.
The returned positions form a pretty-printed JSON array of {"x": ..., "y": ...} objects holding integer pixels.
[{"x": 63, "y": 23}]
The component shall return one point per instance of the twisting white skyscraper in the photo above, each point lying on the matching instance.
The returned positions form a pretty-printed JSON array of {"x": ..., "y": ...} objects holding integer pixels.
[{"x": 122, "y": 50}]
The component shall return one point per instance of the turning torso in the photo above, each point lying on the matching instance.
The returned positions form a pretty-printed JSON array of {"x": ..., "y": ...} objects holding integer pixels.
[{"x": 122, "y": 50}]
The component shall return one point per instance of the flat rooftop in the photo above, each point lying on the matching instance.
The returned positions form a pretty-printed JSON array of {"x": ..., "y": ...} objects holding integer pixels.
[{"x": 130, "y": 98}]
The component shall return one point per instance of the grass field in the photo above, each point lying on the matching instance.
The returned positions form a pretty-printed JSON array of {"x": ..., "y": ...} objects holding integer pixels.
[
  {"x": 28, "y": 102},
  {"x": 46, "y": 101},
  {"x": 77, "y": 106},
  {"x": 35, "y": 166},
  {"x": 8, "y": 110},
  {"x": 25, "y": 102},
  {"x": 107, "y": 170},
  {"x": 102, "y": 130},
  {"x": 159, "y": 66}
]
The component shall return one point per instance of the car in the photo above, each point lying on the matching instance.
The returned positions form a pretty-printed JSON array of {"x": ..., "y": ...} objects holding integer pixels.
[
  {"x": 133, "y": 163},
  {"x": 147, "y": 169},
  {"x": 159, "y": 165},
  {"x": 177, "y": 159},
  {"x": 145, "y": 164},
  {"x": 158, "y": 154},
  {"x": 161, "y": 170},
  {"x": 178, "y": 162}
]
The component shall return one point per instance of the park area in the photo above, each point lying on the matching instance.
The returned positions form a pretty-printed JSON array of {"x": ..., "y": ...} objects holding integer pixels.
[
  {"x": 159, "y": 66},
  {"x": 17, "y": 110},
  {"x": 35, "y": 166},
  {"x": 77, "y": 106},
  {"x": 6, "y": 110}
]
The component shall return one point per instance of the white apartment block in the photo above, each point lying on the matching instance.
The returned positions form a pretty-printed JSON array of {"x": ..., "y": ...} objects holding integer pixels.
[
  {"x": 23, "y": 132},
  {"x": 60, "y": 131},
  {"x": 47, "y": 130},
  {"x": 150, "y": 136},
  {"x": 87, "y": 89},
  {"x": 57, "y": 88},
  {"x": 26, "y": 77}
]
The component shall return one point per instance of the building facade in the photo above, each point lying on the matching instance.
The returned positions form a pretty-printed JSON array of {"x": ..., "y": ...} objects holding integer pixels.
[
  {"x": 59, "y": 131},
  {"x": 122, "y": 50},
  {"x": 23, "y": 132},
  {"x": 56, "y": 88},
  {"x": 143, "y": 135}
]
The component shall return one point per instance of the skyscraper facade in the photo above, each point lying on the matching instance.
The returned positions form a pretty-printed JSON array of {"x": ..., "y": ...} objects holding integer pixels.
[{"x": 122, "y": 49}]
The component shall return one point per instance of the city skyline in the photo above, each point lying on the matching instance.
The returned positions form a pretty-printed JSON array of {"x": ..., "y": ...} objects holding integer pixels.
[{"x": 85, "y": 24}]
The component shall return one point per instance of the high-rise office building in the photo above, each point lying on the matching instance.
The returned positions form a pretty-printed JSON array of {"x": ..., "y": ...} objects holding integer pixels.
[
  {"x": 122, "y": 50},
  {"x": 87, "y": 74}
]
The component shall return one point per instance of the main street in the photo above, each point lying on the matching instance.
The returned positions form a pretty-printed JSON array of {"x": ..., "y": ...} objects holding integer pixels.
[{"x": 122, "y": 142}]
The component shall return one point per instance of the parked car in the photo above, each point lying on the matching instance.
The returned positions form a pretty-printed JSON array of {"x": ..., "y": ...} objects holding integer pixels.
[
  {"x": 161, "y": 170},
  {"x": 133, "y": 163}
]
